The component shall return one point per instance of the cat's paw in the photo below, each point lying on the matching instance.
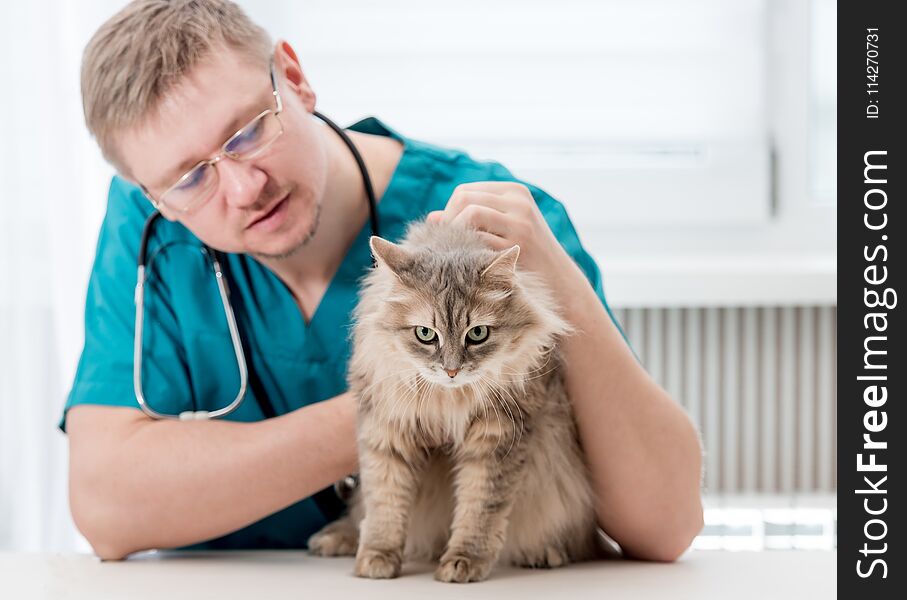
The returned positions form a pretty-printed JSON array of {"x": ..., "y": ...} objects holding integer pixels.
[
  {"x": 336, "y": 542},
  {"x": 457, "y": 568},
  {"x": 377, "y": 564},
  {"x": 548, "y": 557}
]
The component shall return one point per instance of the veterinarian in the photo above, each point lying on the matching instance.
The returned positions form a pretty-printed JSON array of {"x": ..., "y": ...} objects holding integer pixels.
[{"x": 210, "y": 123}]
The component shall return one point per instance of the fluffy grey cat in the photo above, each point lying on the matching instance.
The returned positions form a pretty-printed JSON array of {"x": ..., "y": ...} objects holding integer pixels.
[{"x": 468, "y": 449}]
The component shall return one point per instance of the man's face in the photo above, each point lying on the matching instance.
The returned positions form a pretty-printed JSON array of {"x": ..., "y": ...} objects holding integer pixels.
[{"x": 267, "y": 206}]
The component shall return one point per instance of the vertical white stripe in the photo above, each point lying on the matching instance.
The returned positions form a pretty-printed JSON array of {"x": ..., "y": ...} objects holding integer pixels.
[
  {"x": 655, "y": 344},
  {"x": 637, "y": 325},
  {"x": 620, "y": 315},
  {"x": 711, "y": 398},
  {"x": 826, "y": 400},
  {"x": 692, "y": 389},
  {"x": 806, "y": 400},
  {"x": 729, "y": 399},
  {"x": 787, "y": 406},
  {"x": 673, "y": 380},
  {"x": 750, "y": 402},
  {"x": 767, "y": 400}
]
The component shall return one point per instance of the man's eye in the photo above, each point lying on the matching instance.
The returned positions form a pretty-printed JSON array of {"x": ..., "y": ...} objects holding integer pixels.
[
  {"x": 192, "y": 179},
  {"x": 247, "y": 137}
]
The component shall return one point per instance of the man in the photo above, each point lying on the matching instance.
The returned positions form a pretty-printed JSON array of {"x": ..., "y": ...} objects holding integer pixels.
[{"x": 165, "y": 83}]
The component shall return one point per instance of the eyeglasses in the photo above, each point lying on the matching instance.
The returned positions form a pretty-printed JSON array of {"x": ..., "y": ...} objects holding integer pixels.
[{"x": 197, "y": 184}]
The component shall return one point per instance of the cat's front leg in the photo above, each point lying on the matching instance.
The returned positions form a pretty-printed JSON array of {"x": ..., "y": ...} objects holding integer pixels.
[
  {"x": 487, "y": 472},
  {"x": 389, "y": 482}
]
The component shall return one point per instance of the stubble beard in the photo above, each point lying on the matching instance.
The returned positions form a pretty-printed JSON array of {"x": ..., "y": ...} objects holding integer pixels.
[{"x": 302, "y": 244}]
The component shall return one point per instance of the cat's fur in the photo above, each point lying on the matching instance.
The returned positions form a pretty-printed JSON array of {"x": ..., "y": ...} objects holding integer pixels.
[{"x": 491, "y": 470}]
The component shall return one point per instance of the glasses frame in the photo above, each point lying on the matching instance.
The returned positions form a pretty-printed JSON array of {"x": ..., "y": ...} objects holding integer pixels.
[{"x": 211, "y": 162}]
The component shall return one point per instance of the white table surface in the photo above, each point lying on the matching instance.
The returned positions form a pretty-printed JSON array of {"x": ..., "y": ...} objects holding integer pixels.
[{"x": 284, "y": 574}]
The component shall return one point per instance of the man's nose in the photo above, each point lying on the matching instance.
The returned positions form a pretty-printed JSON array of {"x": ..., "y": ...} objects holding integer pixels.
[{"x": 240, "y": 182}]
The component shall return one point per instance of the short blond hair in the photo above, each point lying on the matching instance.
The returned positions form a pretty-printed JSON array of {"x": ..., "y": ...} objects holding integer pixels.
[{"x": 143, "y": 51}]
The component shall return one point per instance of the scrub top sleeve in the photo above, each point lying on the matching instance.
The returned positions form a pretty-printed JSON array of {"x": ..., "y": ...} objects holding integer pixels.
[
  {"x": 556, "y": 216},
  {"x": 104, "y": 372}
]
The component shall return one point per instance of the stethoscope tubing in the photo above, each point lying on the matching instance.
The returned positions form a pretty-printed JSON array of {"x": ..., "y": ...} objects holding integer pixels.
[{"x": 224, "y": 291}]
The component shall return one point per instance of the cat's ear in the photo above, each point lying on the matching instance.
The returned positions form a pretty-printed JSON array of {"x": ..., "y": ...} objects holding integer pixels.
[
  {"x": 388, "y": 253},
  {"x": 504, "y": 265}
]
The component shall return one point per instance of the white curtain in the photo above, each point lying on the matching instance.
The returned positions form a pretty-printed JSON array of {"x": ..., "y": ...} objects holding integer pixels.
[{"x": 52, "y": 197}]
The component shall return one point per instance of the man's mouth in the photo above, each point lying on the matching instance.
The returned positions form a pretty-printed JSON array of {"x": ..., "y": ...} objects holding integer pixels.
[{"x": 272, "y": 216}]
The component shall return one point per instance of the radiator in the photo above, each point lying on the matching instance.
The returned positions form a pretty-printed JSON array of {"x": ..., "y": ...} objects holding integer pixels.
[{"x": 759, "y": 382}]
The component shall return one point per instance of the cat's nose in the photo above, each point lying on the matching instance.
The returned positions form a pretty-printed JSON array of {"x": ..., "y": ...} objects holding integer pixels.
[{"x": 452, "y": 372}]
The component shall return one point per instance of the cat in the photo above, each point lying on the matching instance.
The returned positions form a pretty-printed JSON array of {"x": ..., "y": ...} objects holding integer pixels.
[{"x": 468, "y": 450}]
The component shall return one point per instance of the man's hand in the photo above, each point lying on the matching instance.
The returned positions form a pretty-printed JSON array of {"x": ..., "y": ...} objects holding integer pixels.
[{"x": 505, "y": 213}]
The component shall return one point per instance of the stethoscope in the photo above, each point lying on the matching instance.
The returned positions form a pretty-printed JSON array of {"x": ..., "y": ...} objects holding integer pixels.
[{"x": 247, "y": 376}]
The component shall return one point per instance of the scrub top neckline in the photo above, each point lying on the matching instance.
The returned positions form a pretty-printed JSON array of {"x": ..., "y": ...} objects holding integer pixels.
[
  {"x": 367, "y": 125},
  {"x": 331, "y": 317}
]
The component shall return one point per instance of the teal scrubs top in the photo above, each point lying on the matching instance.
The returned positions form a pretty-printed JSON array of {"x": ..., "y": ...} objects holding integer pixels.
[{"x": 188, "y": 361}]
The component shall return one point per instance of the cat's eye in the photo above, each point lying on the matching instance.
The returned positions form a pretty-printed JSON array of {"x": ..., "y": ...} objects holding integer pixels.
[
  {"x": 477, "y": 334},
  {"x": 426, "y": 335}
]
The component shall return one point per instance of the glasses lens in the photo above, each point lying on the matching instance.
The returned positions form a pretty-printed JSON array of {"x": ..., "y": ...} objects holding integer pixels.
[
  {"x": 193, "y": 187},
  {"x": 254, "y": 137}
]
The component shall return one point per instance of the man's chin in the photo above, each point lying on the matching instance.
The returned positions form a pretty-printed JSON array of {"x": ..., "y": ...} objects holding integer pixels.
[
  {"x": 290, "y": 249},
  {"x": 278, "y": 255}
]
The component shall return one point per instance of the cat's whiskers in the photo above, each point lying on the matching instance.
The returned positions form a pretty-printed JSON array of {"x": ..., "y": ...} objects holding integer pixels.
[
  {"x": 385, "y": 397},
  {"x": 419, "y": 421},
  {"x": 388, "y": 402},
  {"x": 379, "y": 398},
  {"x": 518, "y": 431},
  {"x": 495, "y": 393},
  {"x": 480, "y": 397},
  {"x": 411, "y": 397},
  {"x": 425, "y": 387},
  {"x": 381, "y": 380},
  {"x": 485, "y": 399},
  {"x": 524, "y": 376},
  {"x": 485, "y": 411},
  {"x": 515, "y": 403},
  {"x": 402, "y": 404}
]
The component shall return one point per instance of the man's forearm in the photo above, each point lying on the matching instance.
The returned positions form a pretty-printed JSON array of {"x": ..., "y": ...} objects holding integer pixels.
[
  {"x": 642, "y": 449},
  {"x": 169, "y": 483}
]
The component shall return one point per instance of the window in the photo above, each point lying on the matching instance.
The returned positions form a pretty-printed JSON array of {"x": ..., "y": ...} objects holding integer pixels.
[
  {"x": 632, "y": 113},
  {"x": 823, "y": 101}
]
